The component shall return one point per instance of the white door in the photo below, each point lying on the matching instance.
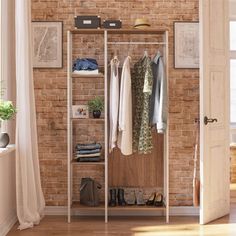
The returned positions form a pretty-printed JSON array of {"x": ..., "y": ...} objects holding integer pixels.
[{"x": 214, "y": 105}]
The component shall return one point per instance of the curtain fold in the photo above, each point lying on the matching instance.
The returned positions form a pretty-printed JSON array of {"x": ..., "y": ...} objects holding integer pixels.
[{"x": 30, "y": 199}]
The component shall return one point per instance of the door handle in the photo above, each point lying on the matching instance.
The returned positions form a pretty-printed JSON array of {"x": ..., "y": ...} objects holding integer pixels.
[{"x": 209, "y": 120}]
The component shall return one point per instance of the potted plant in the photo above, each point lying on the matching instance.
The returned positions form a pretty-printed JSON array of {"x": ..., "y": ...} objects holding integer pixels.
[
  {"x": 96, "y": 106},
  {"x": 7, "y": 110}
]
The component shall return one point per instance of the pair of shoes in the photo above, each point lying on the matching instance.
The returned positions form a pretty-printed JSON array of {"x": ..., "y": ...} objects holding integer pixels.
[
  {"x": 156, "y": 199},
  {"x": 135, "y": 197},
  {"x": 120, "y": 197},
  {"x": 139, "y": 197}
]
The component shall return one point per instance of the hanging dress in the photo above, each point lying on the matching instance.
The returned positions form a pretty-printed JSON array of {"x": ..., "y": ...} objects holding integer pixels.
[
  {"x": 114, "y": 103},
  {"x": 125, "y": 110},
  {"x": 142, "y": 89}
]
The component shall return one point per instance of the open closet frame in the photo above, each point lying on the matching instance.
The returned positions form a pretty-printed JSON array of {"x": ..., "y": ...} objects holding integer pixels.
[{"x": 70, "y": 77}]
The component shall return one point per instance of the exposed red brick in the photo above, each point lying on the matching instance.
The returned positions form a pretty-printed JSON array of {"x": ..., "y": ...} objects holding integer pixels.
[{"x": 50, "y": 91}]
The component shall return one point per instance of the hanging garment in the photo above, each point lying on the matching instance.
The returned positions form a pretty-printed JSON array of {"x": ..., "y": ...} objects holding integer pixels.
[
  {"x": 158, "y": 114},
  {"x": 114, "y": 103},
  {"x": 125, "y": 110},
  {"x": 142, "y": 89}
]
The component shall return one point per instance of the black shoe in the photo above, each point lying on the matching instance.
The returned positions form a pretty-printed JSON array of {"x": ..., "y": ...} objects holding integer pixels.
[
  {"x": 121, "y": 197},
  {"x": 151, "y": 199},
  {"x": 158, "y": 201},
  {"x": 112, "y": 201}
]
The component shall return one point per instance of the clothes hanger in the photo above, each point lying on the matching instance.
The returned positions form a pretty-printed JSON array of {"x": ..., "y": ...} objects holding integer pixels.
[
  {"x": 115, "y": 57},
  {"x": 159, "y": 52},
  {"x": 128, "y": 49},
  {"x": 145, "y": 53}
]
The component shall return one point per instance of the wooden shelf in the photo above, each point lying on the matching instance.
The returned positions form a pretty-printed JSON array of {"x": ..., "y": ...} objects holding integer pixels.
[
  {"x": 73, "y": 162},
  {"x": 136, "y": 208},
  {"x": 73, "y": 79},
  {"x": 77, "y": 205},
  {"x": 89, "y": 119},
  {"x": 119, "y": 31},
  {"x": 136, "y": 31},
  {"x": 87, "y": 31},
  {"x": 99, "y": 75}
]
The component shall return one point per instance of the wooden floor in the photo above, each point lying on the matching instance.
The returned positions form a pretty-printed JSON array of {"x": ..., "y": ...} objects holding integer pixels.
[{"x": 135, "y": 226}]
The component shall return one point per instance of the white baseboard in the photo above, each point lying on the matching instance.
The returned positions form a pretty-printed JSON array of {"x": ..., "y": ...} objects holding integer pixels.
[
  {"x": 7, "y": 224},
  {"x": 174, "y": 211},
  {"x": 184, "y": 211},
  {"x": 55, "y": 210}
]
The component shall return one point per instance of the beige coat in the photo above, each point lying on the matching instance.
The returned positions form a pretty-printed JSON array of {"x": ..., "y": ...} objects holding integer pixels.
[{"x": 125, "y": 111}]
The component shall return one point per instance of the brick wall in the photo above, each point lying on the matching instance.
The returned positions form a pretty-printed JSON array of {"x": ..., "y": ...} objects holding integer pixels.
[{"x": 50, "y": 90}]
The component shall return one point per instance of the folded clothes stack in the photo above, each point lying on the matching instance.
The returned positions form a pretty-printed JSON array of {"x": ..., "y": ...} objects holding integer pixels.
[
  {"x": 88, "y": 152},
  {"x": 85, "y": 66}
]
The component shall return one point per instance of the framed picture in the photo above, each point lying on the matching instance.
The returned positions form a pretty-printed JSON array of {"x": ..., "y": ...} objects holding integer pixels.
[
  {"x": 47, "y": 44},
  {"x": 80, "y": 111},
  {"x": 186, "y": 45}
]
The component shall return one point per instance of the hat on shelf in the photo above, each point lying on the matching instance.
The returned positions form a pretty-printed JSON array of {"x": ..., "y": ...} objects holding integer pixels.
[{"x": 141, "y": 23}]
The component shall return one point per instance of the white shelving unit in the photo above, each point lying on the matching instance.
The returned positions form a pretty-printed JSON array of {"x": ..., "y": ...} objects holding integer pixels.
[{"x": 70, "y": 77}]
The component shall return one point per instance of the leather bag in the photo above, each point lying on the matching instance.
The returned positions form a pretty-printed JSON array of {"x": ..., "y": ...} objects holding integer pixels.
[{"x": 89, "y": 192}]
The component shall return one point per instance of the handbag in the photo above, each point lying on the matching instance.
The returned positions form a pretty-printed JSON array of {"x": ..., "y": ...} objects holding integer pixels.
[{"x": 89, "y": 192}]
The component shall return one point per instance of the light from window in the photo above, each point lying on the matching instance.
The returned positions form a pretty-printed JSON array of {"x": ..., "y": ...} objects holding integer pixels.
[
  {"x": 233, "y": 91},
  {"x": 233, "y": 73},
  {"x": 233, "y": 35}
]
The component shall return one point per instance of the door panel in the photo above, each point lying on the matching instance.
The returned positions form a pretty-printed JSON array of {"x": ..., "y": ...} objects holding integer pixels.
[
  {"x": 214, "y": 103},
  {"x": 216, "y": 14},
  {"x": 217, "y": 93}
]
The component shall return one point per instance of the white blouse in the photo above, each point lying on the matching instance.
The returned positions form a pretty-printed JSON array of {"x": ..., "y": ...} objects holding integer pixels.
[{"x": 125, "y": 135}]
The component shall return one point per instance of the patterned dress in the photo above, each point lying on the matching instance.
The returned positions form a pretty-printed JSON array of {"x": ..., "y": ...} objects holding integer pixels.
[{"x": 142, "y": 81}]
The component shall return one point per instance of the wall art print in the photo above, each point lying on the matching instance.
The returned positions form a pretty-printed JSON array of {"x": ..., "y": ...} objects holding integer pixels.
[
  {"x": 47, "y": 44},
  {"x": 186, "y": 43}
]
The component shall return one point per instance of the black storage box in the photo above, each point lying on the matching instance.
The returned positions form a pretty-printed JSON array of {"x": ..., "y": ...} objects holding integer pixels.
[
  {"x": 112, "y": 24},
  {"x": 88, "y": 22}
]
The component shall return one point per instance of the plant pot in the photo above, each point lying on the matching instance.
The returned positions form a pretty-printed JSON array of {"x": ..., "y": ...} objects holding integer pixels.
[
  {"x": 4, "y": 139},
  {"x": 96, "y": 114}
]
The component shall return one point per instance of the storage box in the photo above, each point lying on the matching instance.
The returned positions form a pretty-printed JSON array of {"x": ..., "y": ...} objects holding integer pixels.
[
  {"x": 112, "y": 24},
  {"x": 88, "y": 22}
]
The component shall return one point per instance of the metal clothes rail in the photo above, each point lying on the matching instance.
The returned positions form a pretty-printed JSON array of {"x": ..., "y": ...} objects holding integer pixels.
[{"x": 137, "y": 43}]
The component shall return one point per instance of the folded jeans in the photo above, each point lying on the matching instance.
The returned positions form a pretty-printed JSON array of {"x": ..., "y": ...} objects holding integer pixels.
[
  {"x": 90, "y": 146},
  {"x": 88, "y": 159},
  {"x": 85, "y": 64},
  {"x": 88, "y": 151},
  {"x": 89, "y": 155}
]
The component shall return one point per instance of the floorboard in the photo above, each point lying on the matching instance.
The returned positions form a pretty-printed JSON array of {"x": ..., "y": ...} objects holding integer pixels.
[{"x": 130, "y": 226}]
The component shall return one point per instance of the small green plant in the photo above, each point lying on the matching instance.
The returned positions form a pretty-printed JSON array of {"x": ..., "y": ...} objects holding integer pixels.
[
  {"x": 7, "y": 110},
  {"x": 96, "y": 104}
]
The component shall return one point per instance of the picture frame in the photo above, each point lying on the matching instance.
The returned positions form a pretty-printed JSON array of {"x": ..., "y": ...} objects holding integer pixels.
[
  {"x": 186, "y": 45},
  {"x": 80, "y": 111},
  {"x": 47, "y": 37}
]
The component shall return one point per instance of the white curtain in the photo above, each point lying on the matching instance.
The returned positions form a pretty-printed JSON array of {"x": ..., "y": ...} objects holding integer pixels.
[{"x": 30, "y": 200}]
